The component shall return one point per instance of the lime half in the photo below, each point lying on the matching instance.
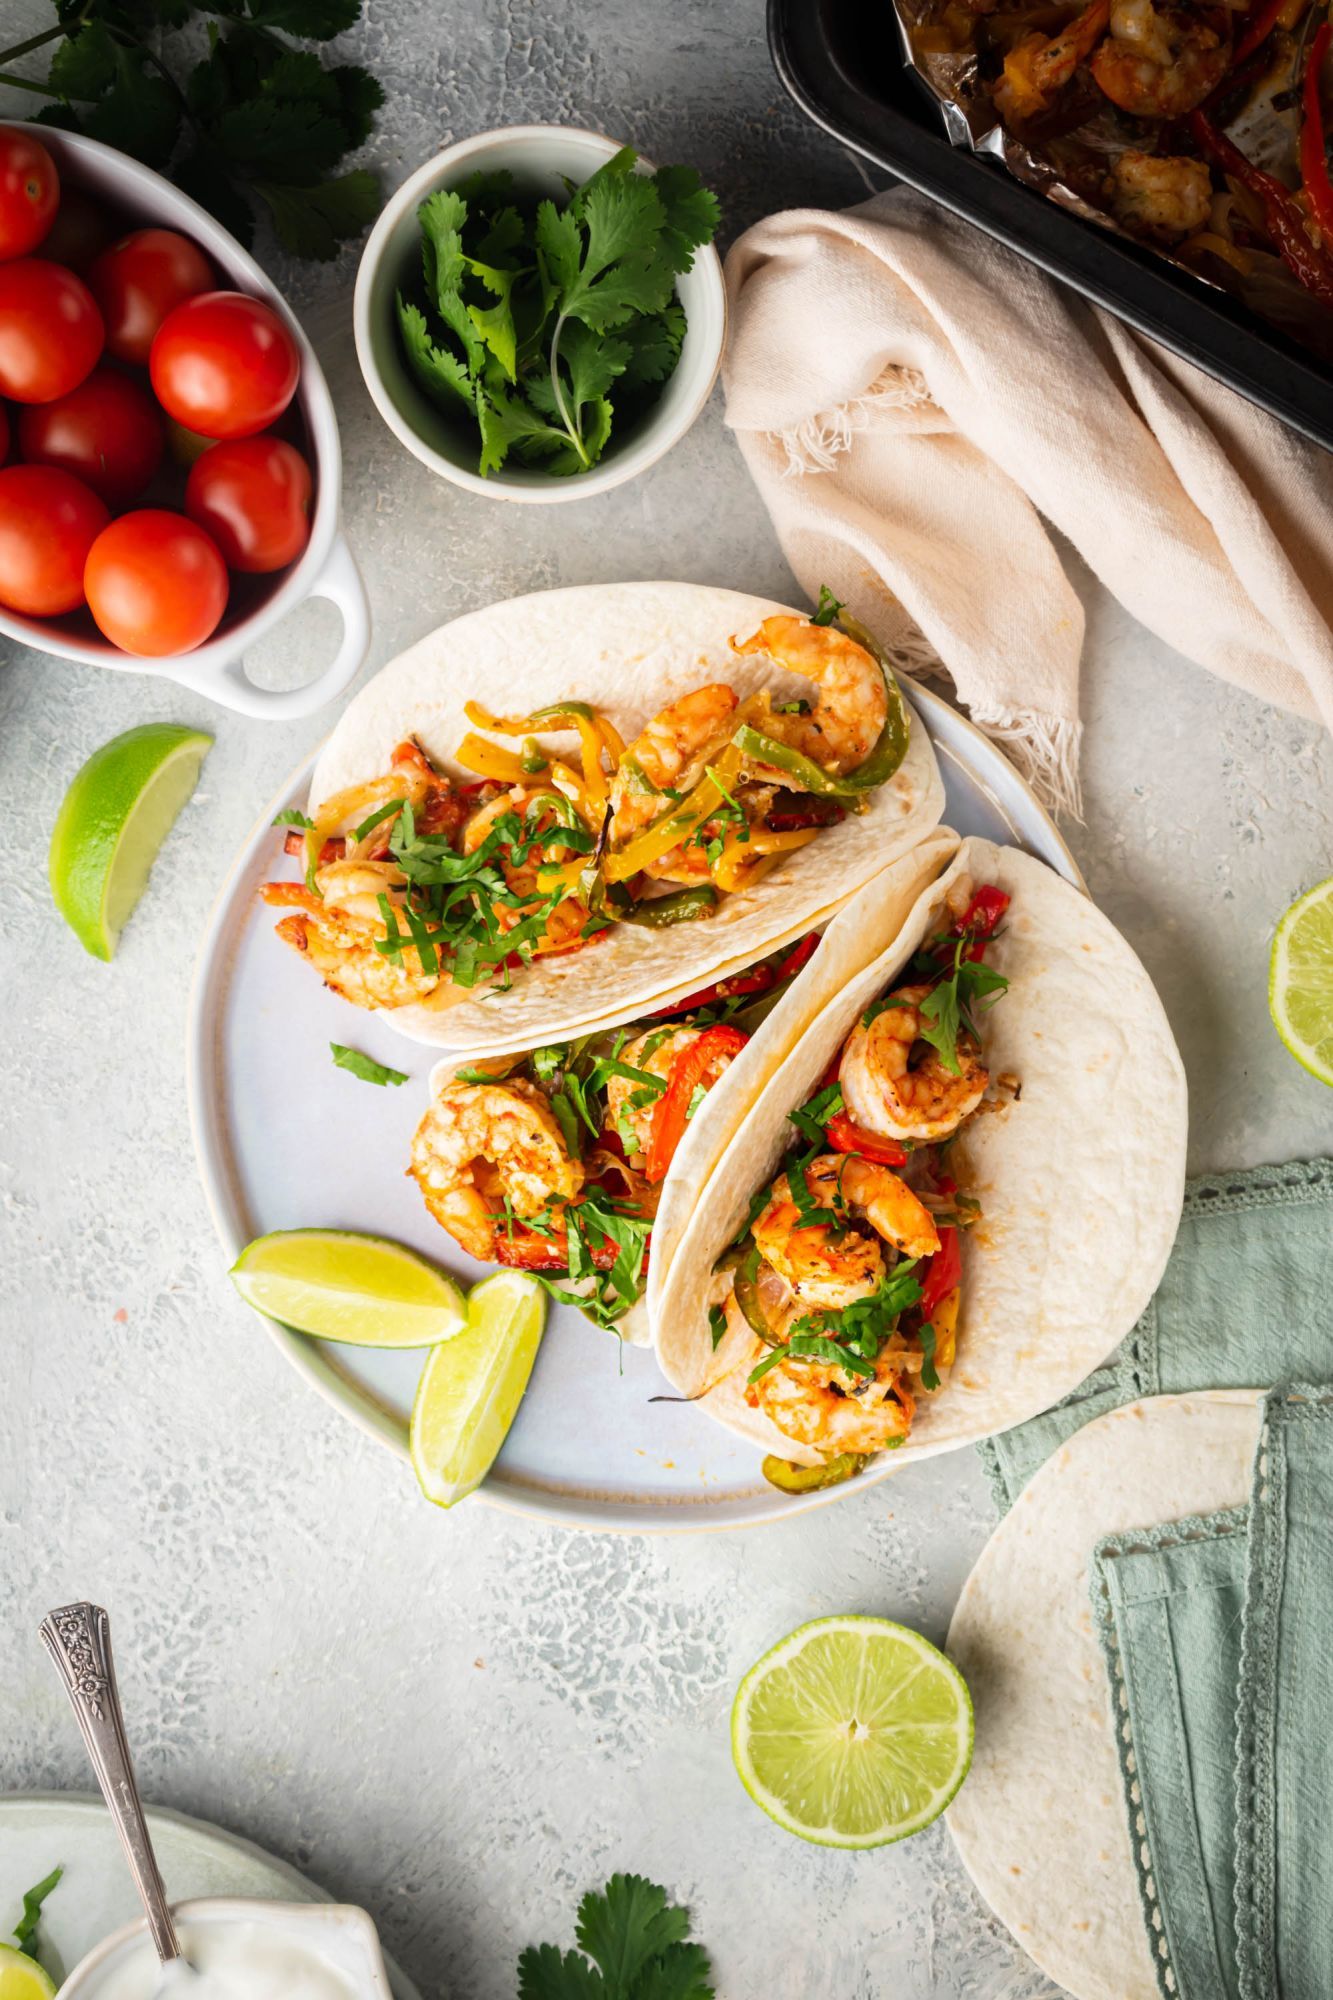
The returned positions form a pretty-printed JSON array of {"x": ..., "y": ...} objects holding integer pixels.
[
  {"x": 1300, "y": 980},
  {"x": 115, "y": 816},
  {"x": 339, "y": 1286},
  {"x": 470, "y": 1391},
  {"x": 852, "y": 1732},
  {"x": 21, "y": 1978}
]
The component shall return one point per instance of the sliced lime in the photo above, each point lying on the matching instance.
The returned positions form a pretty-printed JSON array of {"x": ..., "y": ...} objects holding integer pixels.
[
  {"x": 470, "y": 1390},
  {"x": 115, "y": 816},
  {"x": 1300, "y": 980},
  {"x": 852, "y": 1732},
  {"x": 337, "y": 1285},
  {"x": 21, "y": 1978}
]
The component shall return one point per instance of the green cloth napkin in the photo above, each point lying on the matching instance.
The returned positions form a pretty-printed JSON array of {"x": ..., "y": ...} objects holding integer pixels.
[
  {"x": 1218, "y": 1635},
  {"x": 1246, "y": 1300}
]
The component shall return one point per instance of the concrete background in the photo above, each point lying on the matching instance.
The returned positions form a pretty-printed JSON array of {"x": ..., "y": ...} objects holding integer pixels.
[{"x": 464, "y": 1721}]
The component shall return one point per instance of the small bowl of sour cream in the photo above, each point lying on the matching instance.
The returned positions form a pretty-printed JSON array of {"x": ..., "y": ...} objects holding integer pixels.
[{"x": 242, "y": 1949}]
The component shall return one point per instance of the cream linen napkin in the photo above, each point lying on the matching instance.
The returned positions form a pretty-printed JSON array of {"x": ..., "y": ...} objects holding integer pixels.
[{"x": 919, "y": 406}]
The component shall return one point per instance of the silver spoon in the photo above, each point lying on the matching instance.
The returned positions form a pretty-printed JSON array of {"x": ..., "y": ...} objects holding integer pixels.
[{"x": 78, "y": 1638}]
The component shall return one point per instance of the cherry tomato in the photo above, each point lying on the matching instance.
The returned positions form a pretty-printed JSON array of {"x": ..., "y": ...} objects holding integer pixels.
[
  {"x": 155, "y": 582},
  {"x": 253, "y": 496},
  {"x": 50, "y": 330},
  {"x": 224, "y": 365},
  {"x": 48, "y": 522},
  {"x": 29, "y": 192},
  {"x": 108, "y": 432},
  {"x": 81, "y": 231},
  {"x": 139, "y": 280}
]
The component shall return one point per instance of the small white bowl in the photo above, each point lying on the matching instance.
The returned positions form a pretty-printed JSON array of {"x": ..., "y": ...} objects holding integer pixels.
[
  {"x": 541, "y": 158},
  {"x": 338, "y": 1932},
  {"x": 326, "y": 569}
]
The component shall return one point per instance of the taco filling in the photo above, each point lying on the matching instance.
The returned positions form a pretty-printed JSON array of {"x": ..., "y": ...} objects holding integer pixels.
[
  {"x": 555, "y": 1161},
  {"x": 848, "y": 1275},
  {"x": 416, "y": 882}
]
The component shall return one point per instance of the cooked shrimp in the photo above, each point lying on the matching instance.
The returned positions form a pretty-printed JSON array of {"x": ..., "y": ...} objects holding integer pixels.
[
  {"x": 831, "y": 1410},
  {"x": 668, "y": 755},
  {"x": 342, "y": 950},
  {"x": 896, "y": 1084},
  {"x": 830, "y": 1268},
  {"x": 845, "y": 723},
  {"x": 481, "y": 1142},
  {"x": 1038, "y": 66},
  {"x": 1159, "y": 62},
  {"x": 633, "y": 1122},
  {"x": 1160, "y": 196}
]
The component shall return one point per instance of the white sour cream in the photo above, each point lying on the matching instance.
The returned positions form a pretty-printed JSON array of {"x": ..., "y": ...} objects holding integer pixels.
[{"x": 231, "y": 1961}]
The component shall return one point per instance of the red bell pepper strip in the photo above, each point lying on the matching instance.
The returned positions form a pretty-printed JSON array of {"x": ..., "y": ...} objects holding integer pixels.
[
  {"x": 797, "y": 959},
  {"x": 846, "y": 1136},
  {"x": 332, "y": 850},
  {"x": 758, "y": 979},
  {"x": 944, "y": 1274},
  {"x": 1314, "y": 148},
  {"x": 981, "y": 919},
  {"x": 1285, "y": 222},
  {"x": 713, "y": 1051},
  {"x": 527, "y": 1250},
  {"x": 1259, "y": 25}
]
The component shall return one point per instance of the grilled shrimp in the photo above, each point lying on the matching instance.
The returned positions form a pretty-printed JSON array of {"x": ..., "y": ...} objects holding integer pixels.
[
  {"x": 632, "y": 1122},
  {"x": 849, "y": 714},
  {"x": 896, "y": 1084},
  {"x": 829, "y": 1268},
  {"x": 1038, "y": 66},
  {"x": 1159, "y": 62},
  {"x": 831, "y": 1410},
  {"x": 341, "y": 947},
  {"x": 481, "y": 1142},
  {"x": 1160, "y": 196},
  {"x": 668, "y": 755}
]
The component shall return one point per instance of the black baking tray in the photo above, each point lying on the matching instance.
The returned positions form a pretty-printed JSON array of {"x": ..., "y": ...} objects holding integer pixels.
[{"x": 842, "y": 61}]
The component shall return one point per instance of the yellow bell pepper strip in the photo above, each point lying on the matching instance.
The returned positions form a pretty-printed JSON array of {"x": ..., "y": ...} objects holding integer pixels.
[
  {"x": 884, "y": 759},
  {"x": 789, "y": 1478},
  {"x": 678, "y": 823},
  {"x": 557, "y": 715},
  {"x": 682, "y": 906},
  {"x": 738, "y": 865},
  {"x": 488, "y": 760}
]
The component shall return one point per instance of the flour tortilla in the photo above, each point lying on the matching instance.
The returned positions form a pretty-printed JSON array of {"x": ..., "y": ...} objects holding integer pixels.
[
  {"x": 628, "y": 649},
  {"x": 1080, "y": 1180},
  {"x": 896, "y": 890},
  {"x": 1040, "y": 1823}
]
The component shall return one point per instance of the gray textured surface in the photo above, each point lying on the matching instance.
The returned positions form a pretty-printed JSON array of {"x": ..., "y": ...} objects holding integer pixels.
[{"x": 463, "y": 1721}]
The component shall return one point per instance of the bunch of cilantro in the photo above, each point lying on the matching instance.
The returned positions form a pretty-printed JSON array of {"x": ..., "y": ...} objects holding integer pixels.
[
  {"x": 229, "y": 106},
  {"x": 544, "y": 327},
  {"x": 639, "y": 1946}
]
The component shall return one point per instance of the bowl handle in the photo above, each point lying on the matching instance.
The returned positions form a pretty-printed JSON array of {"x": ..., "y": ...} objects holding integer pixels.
[{"x": 339, "y": 581}]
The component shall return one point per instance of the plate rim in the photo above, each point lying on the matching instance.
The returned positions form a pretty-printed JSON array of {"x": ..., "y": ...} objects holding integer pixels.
[{"x": 949, "y": 730}]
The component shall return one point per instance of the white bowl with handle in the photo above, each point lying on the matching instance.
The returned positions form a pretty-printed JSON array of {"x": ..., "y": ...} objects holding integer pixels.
[
  {"x": 337, "y": 1936},
  {"x": 325, "y": 569}
]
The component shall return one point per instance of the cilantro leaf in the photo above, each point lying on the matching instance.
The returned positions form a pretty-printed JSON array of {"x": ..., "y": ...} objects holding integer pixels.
[
  {"x": 628, "y": 1928},
  {"x": 717, "y": 1325},
  {"x": 33, "y": 1899},
  {"x": 692, "y": 213},
  {"x": 85, "y": 64},
  {"x": 827, "y": 609},
  {"x": 292, "y": 816},
  {"x": 312, "y": 20},
  {"x": 547, "y": 1973},
  {"x": 313, "y": 221},
  {"x": 436, "y": 370},
  {"x": 364, "y": 1066}
]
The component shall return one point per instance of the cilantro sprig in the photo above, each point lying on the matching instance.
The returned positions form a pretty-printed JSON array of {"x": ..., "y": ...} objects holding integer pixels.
[
  {"x": 255, "y": 119},
  {"x": 949, "y": 1009},
  {"x": 528, "y": 319},
  {"x": 638, "y": 1945}
]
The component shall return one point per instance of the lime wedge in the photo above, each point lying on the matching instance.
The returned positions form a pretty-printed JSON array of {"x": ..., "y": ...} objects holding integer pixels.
[
  {"x": 22, "y": 1978},
  {"x": 852, "y": 1732},
  {"x": 1300, "y": 980},
  {"x": 339, "y": 1286},
  {"x": 470, "y": 1390},
  {"x": 114, "y": 818}
]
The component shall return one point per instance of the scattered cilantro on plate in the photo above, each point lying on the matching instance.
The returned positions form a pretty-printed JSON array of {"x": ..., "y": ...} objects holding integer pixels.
[
  {"x": 637, "y": 1941},
  {"x": 252, "y": 119},
  {"x": 364, "y": 1066},
  {"x": 543, "y": 328}
]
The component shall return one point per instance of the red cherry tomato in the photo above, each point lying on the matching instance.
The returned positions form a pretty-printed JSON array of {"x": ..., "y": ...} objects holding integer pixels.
[
  {"x": 50, "y": 330},
  {"x": 155, "y": 582},
  {"x": 107, "y": 432},
  {"x": 253, "y": 497},
  {"x": 81, "y": 231},
  {"x": 48, "y": 522},
  {"x": 139, "y": 280},
  {"x": 224, "y": 365},
  {"x": 29, "y": 192}
]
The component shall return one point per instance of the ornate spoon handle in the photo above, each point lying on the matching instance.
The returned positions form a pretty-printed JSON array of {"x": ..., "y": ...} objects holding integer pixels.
[{"x": 78, "y": 1638}]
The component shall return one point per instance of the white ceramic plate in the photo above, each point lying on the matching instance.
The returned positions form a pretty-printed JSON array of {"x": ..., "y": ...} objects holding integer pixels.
[
  {"x": 40, "y": 1830},
  {"x": 285, "y": 1141}
]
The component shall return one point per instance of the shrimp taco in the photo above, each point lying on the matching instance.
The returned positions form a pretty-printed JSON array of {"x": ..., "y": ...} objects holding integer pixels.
[
  {"x": 683, "y": 780},
  {"x": 581, "y": 1161},
  {"x": 956, "y": 1193}
]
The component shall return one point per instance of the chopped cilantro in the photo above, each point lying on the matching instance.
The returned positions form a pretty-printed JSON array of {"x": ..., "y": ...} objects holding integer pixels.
[
  {"x": 26, "y": 1927},
  {"x": 929, "y": 1374},
  {"x": 827, "y": 608},
  {"x": 717, "y": 1325},
  {"x": 365, "y": 1067}
]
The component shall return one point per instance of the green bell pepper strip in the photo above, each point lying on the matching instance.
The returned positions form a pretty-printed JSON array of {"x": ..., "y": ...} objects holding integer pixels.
[
  {"x": 789, "y": 1478},
  {"x": 746, "y": 1287},
  {"x": 683, "y": 906},
  {"x": 879, "y": 766}
]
